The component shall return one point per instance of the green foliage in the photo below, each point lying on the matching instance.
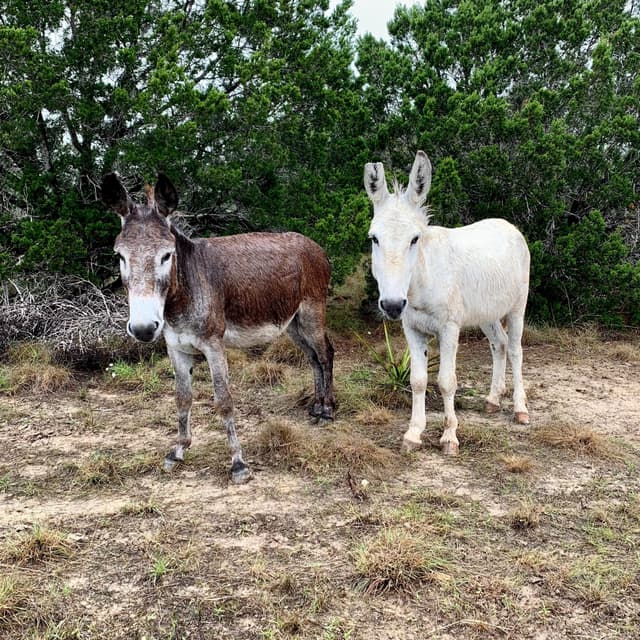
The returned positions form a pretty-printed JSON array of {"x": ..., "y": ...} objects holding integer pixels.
[
  {"x": 252, "y": 109},
  {"x": 586, "y": 275},
  {"x": 528, "y": 110},
  {"x": 397, "y": 368}
]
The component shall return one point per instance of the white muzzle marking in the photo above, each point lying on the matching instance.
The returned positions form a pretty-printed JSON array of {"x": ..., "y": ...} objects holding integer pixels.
[{"x": 145, "y": 317}]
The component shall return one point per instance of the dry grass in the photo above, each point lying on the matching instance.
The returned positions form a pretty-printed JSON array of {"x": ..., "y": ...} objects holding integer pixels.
[
  {"x": 526, "y": 516},
  {"x": 107, "y": 467},
  {"x": 396, "y": 560},
  {"x": 579, "y": 339},
  {"x": 100, "y": 468},
  {"x": 284, "y": 444},
  {"x": 15, "y": 601},
  {"x": 374, "y": 416},
  {"x": 264, "y": 373},
  {"x": 236, "y": 359},
  {"x": 31, "y": 611},
  {"x": 481, "y": 438},
  {"x": 515, "y": 463},
  {"x": 284, "y": 351},
  {"x": 147, "y": 508},
  {"x": 41, "y": 379},
  {"x": 30, "y": 368},
  {"x": 37, "y": 545},
  {"x": 624, "y": 352},
  {"x": 561, "y": 434}
]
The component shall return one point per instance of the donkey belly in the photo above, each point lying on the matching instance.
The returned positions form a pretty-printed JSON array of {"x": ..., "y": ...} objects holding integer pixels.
[{"x": 240, "y": 336}]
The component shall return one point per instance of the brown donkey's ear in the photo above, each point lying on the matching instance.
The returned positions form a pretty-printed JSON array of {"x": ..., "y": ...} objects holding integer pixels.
[
  {"x": 166, "y": 195},
  {"x": 114, "y": 195}
]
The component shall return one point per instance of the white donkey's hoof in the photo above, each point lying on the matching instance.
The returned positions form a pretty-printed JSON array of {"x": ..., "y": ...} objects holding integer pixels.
[
  {"x": 521, "y": 417},
  {"x": 491, "y": 407},
  {"x": 450, "y": 448},
  {"x": 409, "y": 445}
]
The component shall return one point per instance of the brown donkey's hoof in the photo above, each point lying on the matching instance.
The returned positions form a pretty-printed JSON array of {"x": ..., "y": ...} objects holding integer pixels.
[
  {"x": 522, "y": 417},
  {"x": 450, "y": 448},
  {"x": 410, "y": 445},
  {"x": 490, "y": 407},
  {"x": 170, "y": 462},
  {"x": 240, "y": 473}
]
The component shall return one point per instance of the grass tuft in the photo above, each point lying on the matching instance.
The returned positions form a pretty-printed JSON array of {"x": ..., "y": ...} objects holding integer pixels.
[
  {"x": 141, "y": 376},
  {"x": 99, "y": 469},
  {"x": 264, "y": 373},
  {"x": 14, "y": 600},
  {"x": 481, "y": 438},
  {"x": 526, "y": 516},
  {"x": 284, "y": 351},
  {"x": 515, "y": 463},
  {"x": 148, "y": 508},
  {"x": 561, "y": 434},
  {"x": 30, "y": 368},
  {"x": 284, "y": 444},
  {"x": 107, "y": 467},
  {"x": 374, "y": 416},
  {"x": 37, "y": 545},
  {"x": 395, "y": 560},
  {"x": 624, "y": 352}
]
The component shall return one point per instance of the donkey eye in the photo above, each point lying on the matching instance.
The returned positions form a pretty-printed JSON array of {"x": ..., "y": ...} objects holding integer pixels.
[
  {"x": 414, "y": 240},
  {"x": 165, "y": 257},
  {"x": 374, "y": 239}
]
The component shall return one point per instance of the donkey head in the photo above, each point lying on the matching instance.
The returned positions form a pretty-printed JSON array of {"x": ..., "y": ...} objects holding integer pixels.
[
  {"x": 398, "y": 223},
  {"x": 146, "y": 249}
]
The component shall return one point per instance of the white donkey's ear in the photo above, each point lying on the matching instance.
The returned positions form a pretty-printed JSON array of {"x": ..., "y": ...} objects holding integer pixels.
[
  {"x": 374, "y": 182},
  {"x": 419, "y": 179}
]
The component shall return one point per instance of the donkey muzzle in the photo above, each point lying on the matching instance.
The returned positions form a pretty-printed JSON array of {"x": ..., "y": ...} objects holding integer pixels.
[
  {"x": 393, "y": 308},
  {"x": 144, "y": 332}
]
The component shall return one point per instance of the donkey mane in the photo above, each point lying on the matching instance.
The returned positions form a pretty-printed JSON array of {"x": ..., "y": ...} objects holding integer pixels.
[{"x": 399, "y": 193}]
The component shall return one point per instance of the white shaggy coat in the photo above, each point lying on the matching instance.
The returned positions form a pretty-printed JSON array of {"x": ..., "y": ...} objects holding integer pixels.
[{"x": 440, "y": 280}]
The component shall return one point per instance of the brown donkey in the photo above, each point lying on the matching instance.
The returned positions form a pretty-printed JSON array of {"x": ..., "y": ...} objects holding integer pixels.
[{"x": 205, "y": 293}]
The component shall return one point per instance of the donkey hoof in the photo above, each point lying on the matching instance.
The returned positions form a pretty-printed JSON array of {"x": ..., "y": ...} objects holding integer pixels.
[
  {"x": 522, "y": 417},
  {"x": 170, "y": 463},
  {"x": 410, "y": 445},
  {"x": 491, "y": 407},
  {"x": 239, "y": 473},
  {"x": 450, "y": 448}
]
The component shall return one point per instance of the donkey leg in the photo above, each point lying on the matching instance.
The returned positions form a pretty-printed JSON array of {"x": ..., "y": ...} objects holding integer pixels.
[
  {"x": 217, "y": 361},
  {"x": 515, "y": 324},
  {"x": 447, "y": 382},
  {"x": 183, "y": 369},
  {"x": 498, "y": 342},
  {"x": 308, "y": 331},
  {"x": 419, "y": 378}
]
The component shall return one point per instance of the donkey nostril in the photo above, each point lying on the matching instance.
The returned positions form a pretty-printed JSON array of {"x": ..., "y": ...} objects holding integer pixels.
[
  {"x": 157, "y": 324},
  {"x": 393, "y": 308}
]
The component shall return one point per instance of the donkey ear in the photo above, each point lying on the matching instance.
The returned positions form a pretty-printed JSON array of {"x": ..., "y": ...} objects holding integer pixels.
[
  {"x": 419, "y": 179},
  {"x": 165, "y": 195},
  {"x": 114, "y": 195},
  {"x": 374, "y": 182}
]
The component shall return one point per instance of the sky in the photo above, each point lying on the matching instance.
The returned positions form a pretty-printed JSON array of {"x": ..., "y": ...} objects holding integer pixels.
[{"x": 373, "y": 15}]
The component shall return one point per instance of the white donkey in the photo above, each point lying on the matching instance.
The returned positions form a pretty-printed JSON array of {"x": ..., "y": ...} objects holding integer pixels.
[{"x": 439, "y": 280}]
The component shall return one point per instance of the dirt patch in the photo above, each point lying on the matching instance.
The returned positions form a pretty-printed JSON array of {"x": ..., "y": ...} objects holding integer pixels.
[{"x": 189, "y": 555}]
